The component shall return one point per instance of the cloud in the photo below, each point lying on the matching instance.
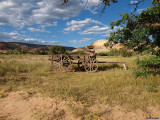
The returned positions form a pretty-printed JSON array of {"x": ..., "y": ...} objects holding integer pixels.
[
  {"x": 81, "y": 41},
  {"x": 37, "y": 30},
  {"x": 20, "y": 13},
  {"x": 78, "y": 25},
  {"x": 140, "y": 10},
  {"x": 96, "y": 30},
  {"x": 39, "y": 41},
  {"x": 81, "y": 26},
  {"x": 16, "y": 37},
  {"x": 132, "y": 2}
]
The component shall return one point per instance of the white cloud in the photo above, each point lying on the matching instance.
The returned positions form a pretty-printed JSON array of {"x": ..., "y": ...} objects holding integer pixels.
[
  {"x": 20, "y": 13},
  {"x": 132, "y": 2},
  {"x": 140, "y": 10},
  {"x": 81, "y": 41},
  {"x": 16, "y": 37},
  {"x": 78, "y": 25},
  {"x": 37, "y": 30},
  {"x": 104, "y": 31},
  {"x": 39, "y": 41},
  {"x": 96, "y": 30}
]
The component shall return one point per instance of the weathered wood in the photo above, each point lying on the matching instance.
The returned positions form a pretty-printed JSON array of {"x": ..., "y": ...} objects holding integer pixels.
[{"x": 89, "y": 62}]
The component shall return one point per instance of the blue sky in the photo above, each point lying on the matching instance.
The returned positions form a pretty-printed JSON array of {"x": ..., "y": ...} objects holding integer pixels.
[{"x": 75, "y": 24}]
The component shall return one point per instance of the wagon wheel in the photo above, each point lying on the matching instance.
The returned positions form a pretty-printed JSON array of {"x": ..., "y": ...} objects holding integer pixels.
[
  {"x": 80, "y": 63},
  {"x": 91, "y": 66},
  {"x": 65, "y": 63},
  {"x": 56, "y": 64}
]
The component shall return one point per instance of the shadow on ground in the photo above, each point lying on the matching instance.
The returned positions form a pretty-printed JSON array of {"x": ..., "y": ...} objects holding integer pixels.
[{"x": 103, "y": 67}]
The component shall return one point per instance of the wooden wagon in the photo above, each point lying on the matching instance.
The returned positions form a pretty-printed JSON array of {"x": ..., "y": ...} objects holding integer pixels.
[{"x": 63, "y": 62}]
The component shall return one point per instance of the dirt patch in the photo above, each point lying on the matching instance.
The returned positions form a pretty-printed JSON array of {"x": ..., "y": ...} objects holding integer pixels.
[
  {"x": 21, "y": 106},
  {"x": 31, "y": 106}
]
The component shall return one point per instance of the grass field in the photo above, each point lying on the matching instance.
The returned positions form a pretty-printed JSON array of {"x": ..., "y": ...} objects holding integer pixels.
[{"x": 110, "y": 85}]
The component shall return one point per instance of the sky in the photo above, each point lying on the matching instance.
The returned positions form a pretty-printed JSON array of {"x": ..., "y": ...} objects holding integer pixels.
[{"x": 76, "y": 24}]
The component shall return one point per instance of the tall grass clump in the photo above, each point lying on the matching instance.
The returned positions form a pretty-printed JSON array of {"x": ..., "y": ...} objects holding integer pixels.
[{"x": 14, "y": 67}]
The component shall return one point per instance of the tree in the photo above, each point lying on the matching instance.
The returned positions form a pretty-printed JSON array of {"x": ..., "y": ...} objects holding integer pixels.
[
  {"x": 57, "y": 50},
  {"x": 137, "y": 29}
]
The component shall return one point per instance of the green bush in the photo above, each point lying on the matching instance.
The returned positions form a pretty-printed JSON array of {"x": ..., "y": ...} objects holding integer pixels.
[
  {"x": 57, "y": 50},
  {"x": 10, "y": 52},
  {"x": 148, "y": 65},
  {"x": 156, "y": 52},
  {"x": 103, "y": 54},
  {"x": 39, "y": 52},
  {"x": 17, "y": 51},
  {"x": 126, "y": 53},
  {"x": 78, "y": 53},
  {"x": 116, "y": 52}
]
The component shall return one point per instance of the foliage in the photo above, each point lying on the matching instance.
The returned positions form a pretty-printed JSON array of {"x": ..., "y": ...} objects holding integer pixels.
[
  {"x": 148, "y": 65},
  {"x": 57, "y": 50},
  {"x": 10, "y": 52},
  {"x": 17, "y": 51},
  {"x": 78, "y": 53},
  {"x": 103, "y": 54},
  {"x": 116, "y": 52},
  {"x": 126, "y": 53},
  {"x": 37, "y": 52},
  {"x": 136, "y": 29},
  {"x": 40, "y": 52}
]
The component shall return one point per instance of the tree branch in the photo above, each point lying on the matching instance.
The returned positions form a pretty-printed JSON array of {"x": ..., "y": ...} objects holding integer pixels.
[
  {"x": 151, "y": 25},
  {"x": 136, "y": 4}
]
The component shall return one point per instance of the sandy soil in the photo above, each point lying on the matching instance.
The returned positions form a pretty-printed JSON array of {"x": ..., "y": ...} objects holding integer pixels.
[{"x": 27, "y": 106}]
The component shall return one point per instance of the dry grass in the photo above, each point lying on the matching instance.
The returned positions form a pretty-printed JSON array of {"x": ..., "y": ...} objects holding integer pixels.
[{"x": 110, "y": 85}]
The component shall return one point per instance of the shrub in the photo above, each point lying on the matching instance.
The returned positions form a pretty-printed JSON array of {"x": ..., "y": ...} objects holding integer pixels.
[
  {"x": 16, "y": 51},
  {"x": 126, "y": 53},
  {"x": 103, "y": 54},
  {"x": 10, "y": 52},
  {"x": 57, "y": 50},
  {"x": 148, "y": 65},
  {"x": 114, "y": 52},
  {"x": 78, "y": 53},
  {"x": 156, "y": 52}
]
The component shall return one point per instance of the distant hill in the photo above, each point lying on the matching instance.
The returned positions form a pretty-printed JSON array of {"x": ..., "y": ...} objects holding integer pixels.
[{"x": 26, "y": 46}]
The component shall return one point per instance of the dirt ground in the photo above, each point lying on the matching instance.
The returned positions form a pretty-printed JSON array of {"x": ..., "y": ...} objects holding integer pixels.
[{"x": 26, "y": 106}]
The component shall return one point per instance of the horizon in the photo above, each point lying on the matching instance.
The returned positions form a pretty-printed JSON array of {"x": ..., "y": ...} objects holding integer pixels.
[{"x": 47, "y": 22}]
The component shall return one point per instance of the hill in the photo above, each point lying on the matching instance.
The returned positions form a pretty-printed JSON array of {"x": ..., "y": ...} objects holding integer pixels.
[{"x": 26, "y": 46}]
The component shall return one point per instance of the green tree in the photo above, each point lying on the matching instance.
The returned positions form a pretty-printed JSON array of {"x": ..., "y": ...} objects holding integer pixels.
[
  {"x": 138, "y": 29},
  {"x": 57, "y": 50},
  {"x": 16, "y": 51}
]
